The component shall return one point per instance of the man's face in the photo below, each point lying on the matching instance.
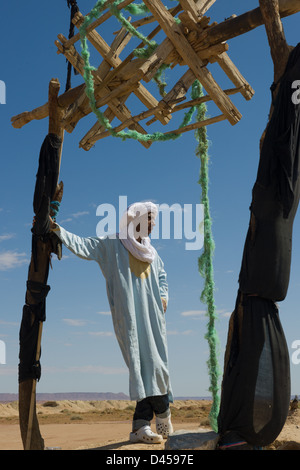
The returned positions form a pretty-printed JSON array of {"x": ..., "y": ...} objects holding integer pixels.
[{"x": 150, "y": 225}]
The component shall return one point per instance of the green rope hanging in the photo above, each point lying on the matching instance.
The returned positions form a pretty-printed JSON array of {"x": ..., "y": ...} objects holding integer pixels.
[
  {"x": 205, "y": 261},
  {"x": 88, "y": 78},
  {"x": 205, "y": 264}
]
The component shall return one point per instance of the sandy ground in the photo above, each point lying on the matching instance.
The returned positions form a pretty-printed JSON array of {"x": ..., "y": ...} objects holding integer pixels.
[{"x": 106, "y": 425}]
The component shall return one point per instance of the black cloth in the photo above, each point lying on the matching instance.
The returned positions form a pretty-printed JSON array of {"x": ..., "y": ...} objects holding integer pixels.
[
  {"x": 266, "y": 262},
  {"x": 256, "y": 382},
  {"x": 29, "y": 365},
  {"x": 34, "y": 310},
  {"x": 146, "y": 408},
  {"x": 46, "y": 182}
]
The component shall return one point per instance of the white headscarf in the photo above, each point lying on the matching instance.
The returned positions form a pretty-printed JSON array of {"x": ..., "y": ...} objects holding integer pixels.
[{"x": 136, "y": 214}]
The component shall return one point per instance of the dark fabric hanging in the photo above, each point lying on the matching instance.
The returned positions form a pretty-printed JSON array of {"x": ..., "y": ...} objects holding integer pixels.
[
  {"x": 266, "y": 262},
  {"x": 256, "y": 383},
  {"x": 72, "y": 4},
  {"x": 34, "y": 310}
]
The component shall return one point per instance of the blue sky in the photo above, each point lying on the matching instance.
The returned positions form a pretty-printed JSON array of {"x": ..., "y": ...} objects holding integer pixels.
[{"x": 79, "y": 349}]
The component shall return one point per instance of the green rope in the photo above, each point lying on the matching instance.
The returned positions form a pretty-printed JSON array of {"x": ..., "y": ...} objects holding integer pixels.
[
  {"x": 90, "y": 90},
  {"x": 205, "y": 261},
  {"x": 205, "y": 264}
]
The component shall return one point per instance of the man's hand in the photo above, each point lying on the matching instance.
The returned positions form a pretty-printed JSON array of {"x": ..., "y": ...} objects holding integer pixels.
[
  {"x": 52, "y": 223},
  {"x": 164, "y": 302}
]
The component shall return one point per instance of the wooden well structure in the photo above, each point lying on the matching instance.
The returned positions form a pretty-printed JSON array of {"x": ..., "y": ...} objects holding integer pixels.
[{"x": 191, "y": 42}]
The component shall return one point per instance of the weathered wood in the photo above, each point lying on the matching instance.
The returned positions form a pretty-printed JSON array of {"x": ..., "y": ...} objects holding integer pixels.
[
  {"x": 204, "y": 5},
  {"x": 174, "y": 33},
  {"x": 244, "y": 23},
  {"x": 190, "y": 7},
  {"x": 82, "y": 108},
  {"x": 278, "y": 46},
  {"x": 139, "y": 90},
  {"x": 64, "y": 100},
  {"x": 151, "y": 19},
  {"x": 189, "y": 21},
  {"x": 29, "y": 426},
  {"x": 235, "y": 75},
  {"x": 99, "y": 21},
  {"x": 97, "y": 133}
]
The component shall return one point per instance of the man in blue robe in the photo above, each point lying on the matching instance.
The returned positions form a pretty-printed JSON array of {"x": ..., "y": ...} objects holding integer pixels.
[{"x": 137, "y": 291}]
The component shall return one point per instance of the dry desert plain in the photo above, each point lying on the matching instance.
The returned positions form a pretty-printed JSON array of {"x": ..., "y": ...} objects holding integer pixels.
[{"x": 105, "y": 425}]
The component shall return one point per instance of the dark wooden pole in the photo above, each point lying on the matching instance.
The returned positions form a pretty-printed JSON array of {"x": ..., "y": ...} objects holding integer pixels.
[{"x": 38, "y": 273}]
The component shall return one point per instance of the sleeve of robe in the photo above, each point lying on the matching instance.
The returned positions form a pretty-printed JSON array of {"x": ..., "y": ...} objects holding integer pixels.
[
  {"x": 88, "y": 248},
  {"x": 162, "y": 279}
]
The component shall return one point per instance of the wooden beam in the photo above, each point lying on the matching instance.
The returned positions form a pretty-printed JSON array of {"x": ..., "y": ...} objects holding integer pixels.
[
  {"x": 235, "y": 75},
  {"x": 175, "y": 34},
  {"x": 64, "y": 100},
  {"x": 29, "y": 426},
  {"x": 103, "y": 48},
  {"x": 99, "y": 21},
  {"x": 191, "y": 7},
  {"x": 244, "y": 23},
  {"x": 81, "y": 107},
  {"x": 96, "y": 133},
  {"x": 204, "y": 5},
  {"x": 279, "y": 48}
]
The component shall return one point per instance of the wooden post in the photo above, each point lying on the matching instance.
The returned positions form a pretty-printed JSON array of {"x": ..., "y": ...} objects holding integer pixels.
[
  {"x": 29, "y": 426},
  {"x": 279, "y": 48},
  {"x": 244, "y": 23}
]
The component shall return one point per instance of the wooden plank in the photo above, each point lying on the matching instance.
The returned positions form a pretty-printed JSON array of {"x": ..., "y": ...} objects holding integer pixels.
[
  {"x": 279, "y": 48},
  {"x": 64, "y": 100},
  {"x": 235, "y": 76},
  {"x": 98, "y": 133},
  {"x": 140, "y": 91},
  {"x": 106, "y": 96},
  {"x": 191, "y": 7},
  {"x": 174, "y": 32},
  {"x": 118, "y": 44},
  {"x": 197, "y": 125},
  {"x": 179, "y": 90},
  {"x": 182, "y": 130},
  {"x": 99, "y": 21},
  {"x": 244, "y": 23},
  {"x": 204, "y": 5}
]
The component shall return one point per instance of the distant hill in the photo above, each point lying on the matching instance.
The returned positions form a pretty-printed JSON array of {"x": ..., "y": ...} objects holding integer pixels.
[{"x": 83, "y": 396}]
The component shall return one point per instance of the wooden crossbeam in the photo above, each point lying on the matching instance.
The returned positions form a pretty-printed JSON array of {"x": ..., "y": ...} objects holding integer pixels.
[
  {"x": 103, "y": 48},
  {"x": 99, "y": 21},
  {"x": 98, "y": 132},
  {"x": 175, "y": 34},
  {"x": 244, "y": 23},
  {"x": 81, "y": 107},
  {"x": 191, "y": 7},
  {"x": 204, "y": 5}
]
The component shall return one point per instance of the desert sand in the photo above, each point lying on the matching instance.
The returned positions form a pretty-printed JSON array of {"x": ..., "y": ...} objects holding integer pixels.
[{"x": 105, "y": 425}]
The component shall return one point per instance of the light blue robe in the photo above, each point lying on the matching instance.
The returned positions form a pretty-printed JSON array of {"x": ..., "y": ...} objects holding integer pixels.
[{"x": 134, "y": 291}]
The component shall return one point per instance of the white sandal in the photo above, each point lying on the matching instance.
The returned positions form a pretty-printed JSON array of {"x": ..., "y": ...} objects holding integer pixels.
[
  {"x": 164, "y": 426},
  {"x": 144, "y": 434}
]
